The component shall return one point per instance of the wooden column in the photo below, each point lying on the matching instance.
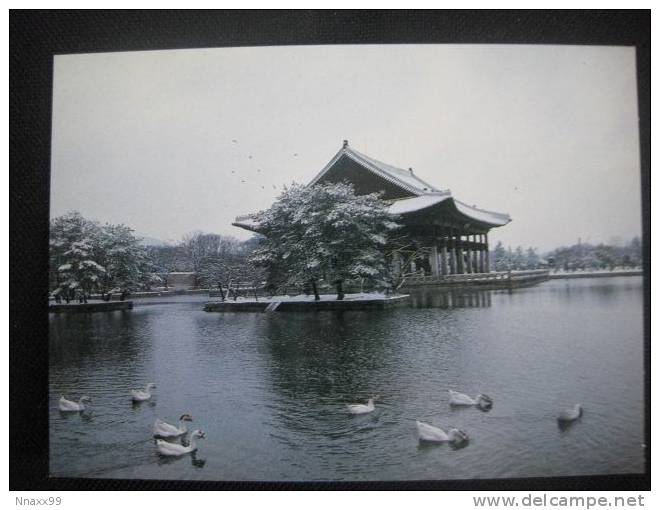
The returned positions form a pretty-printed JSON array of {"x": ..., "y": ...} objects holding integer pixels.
[{"x": 443, "y": 256}]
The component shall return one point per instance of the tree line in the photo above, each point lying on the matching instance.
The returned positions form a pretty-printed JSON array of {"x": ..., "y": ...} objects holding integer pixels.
[
  {"x": 87, "y": 257},
  {"x": 580, "y": 256},
  {"x": 311, "y": 239}
]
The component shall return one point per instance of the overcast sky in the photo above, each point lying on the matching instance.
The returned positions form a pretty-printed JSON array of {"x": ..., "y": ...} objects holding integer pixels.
[{"x": 547, "y": 134}]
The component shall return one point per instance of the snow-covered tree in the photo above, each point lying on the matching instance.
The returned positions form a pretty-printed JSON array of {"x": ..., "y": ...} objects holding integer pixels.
[
  {"x": 324, "y": 233},
  {"x": 198, "y": 246},
  {"x": 74, "y": 270},
  {"x": 85, "y": 257},
  {"x": 165, "y": 260},
  {"x": 519, "y": 258},
  {"x": 125, "y": 260},
  {"x": 80, "y": 274},
  {"x": 501, "y": 259},
  {"x": 532, "y": 259},
  {"x": 401, "y": 254}
]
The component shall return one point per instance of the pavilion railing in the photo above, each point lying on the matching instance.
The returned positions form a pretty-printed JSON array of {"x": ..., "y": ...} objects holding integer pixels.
[{"x": 496, "y": 277}]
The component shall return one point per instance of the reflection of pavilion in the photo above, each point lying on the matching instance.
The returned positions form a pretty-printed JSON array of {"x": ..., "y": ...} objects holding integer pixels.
[
  {"x": 432, "y": 298},
  {"x": 455, "y": 233}
]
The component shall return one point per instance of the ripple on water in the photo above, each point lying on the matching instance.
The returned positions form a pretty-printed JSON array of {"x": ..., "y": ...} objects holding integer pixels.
[{"x": 270, "y": 390}]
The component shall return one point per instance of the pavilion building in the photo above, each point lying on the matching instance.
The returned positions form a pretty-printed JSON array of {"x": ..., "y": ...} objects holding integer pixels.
[{"x": 454, "y": 234}]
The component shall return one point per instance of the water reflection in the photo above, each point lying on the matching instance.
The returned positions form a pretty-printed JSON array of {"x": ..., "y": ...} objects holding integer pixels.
[
  {"x": 86, "y": 342},
  {"x": 565, "y": 426},
  {"x": 327, "y": 353},
  {"x": 605, "y": 290},
  {"x": 439, "y": 298},
  {"x": 270, "y": 389},
  {"x": 195, "y": 461}
]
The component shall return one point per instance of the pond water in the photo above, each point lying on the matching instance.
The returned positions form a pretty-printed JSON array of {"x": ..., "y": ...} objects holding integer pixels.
[{"x": 269, "y": 390}]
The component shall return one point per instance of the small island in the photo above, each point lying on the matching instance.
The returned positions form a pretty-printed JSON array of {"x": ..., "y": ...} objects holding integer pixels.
[{"x": 305, "y": 303}]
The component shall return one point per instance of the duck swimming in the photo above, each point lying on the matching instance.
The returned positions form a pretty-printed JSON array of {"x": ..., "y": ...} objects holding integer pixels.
[
  {"x": 361, "y": 408},
  {"x": 71, "y": 406},
  {"x": 142, "y": 395},
  {"x": 483, "y": 402},
  {"x": 163, "y": 429},
  {"x": 175, "y": 449},
  {"x": 429, "y": 433},
  {"x": 569, "y": 415}
]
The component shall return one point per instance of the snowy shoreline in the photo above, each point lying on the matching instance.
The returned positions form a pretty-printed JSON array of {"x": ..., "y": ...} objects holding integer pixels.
[
  {"x": 89, "y": 307},
  {"x": 303, "y": 302},
  {"x": 307, "y": 298}
]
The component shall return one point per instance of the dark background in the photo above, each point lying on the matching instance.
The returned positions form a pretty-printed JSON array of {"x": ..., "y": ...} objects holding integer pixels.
[{"x": 35, "y": 36}]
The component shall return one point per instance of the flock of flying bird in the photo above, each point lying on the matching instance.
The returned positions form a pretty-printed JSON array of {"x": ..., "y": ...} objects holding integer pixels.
[
  {"x": 166, "y": 434},
  {"x": 234, "y": 141}
]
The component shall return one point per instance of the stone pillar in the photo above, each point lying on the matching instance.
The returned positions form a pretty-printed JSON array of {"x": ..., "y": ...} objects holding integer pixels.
[
  {"x": 452, "y": 253},
  {"x": 468, "y": 256},
  {"x": 477, "y": 251},
  {"x": 443, "y": 257},
  {"x": 460, "y": 259},
  {"x": 487, "y": 254},
  {"x": 433, "y": 259}
]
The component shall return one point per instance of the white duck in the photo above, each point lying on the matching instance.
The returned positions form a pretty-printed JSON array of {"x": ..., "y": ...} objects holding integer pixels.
[
  {"x": 162, "y": 429},
  {"x": 361, "y": 408},
  {"x": 569, "y": 415},
  {"x": 71, "y": 406},
  {"x": 142, "y": 395},
  {"x": 460, "y": 399},
  {"x": 427, "y": 432},
  {"x": 175, "y": 449}
]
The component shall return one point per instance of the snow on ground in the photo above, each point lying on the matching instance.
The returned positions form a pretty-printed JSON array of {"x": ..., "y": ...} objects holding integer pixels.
[
  {"x": 324, "y": 297},
  {"x": 599, "y": 271}
]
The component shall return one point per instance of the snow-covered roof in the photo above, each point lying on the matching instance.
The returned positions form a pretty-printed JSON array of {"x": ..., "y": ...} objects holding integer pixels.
[
  {"x": 490, "y": 217},
  {"x": 414, "y": 204},
  {"x": 408, "y": 205},
  {"x": 425, "y": 195},
  {"x": 405, "y": 179}
]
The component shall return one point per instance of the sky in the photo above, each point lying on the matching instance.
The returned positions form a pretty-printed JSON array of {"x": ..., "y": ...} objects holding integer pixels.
[{"x": 170, "y": 142}]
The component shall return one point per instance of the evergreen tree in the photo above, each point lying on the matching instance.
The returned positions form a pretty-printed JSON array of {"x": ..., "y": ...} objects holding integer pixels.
[
  {"x": 532, "y": 259},
  {"x": 85, "y": 257},
  {"x": 500, "y": 257},
  {"x": 324, "y": 233},
  {"x": 74, "y": 272},
  {"x": 127, "y": 266}
]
